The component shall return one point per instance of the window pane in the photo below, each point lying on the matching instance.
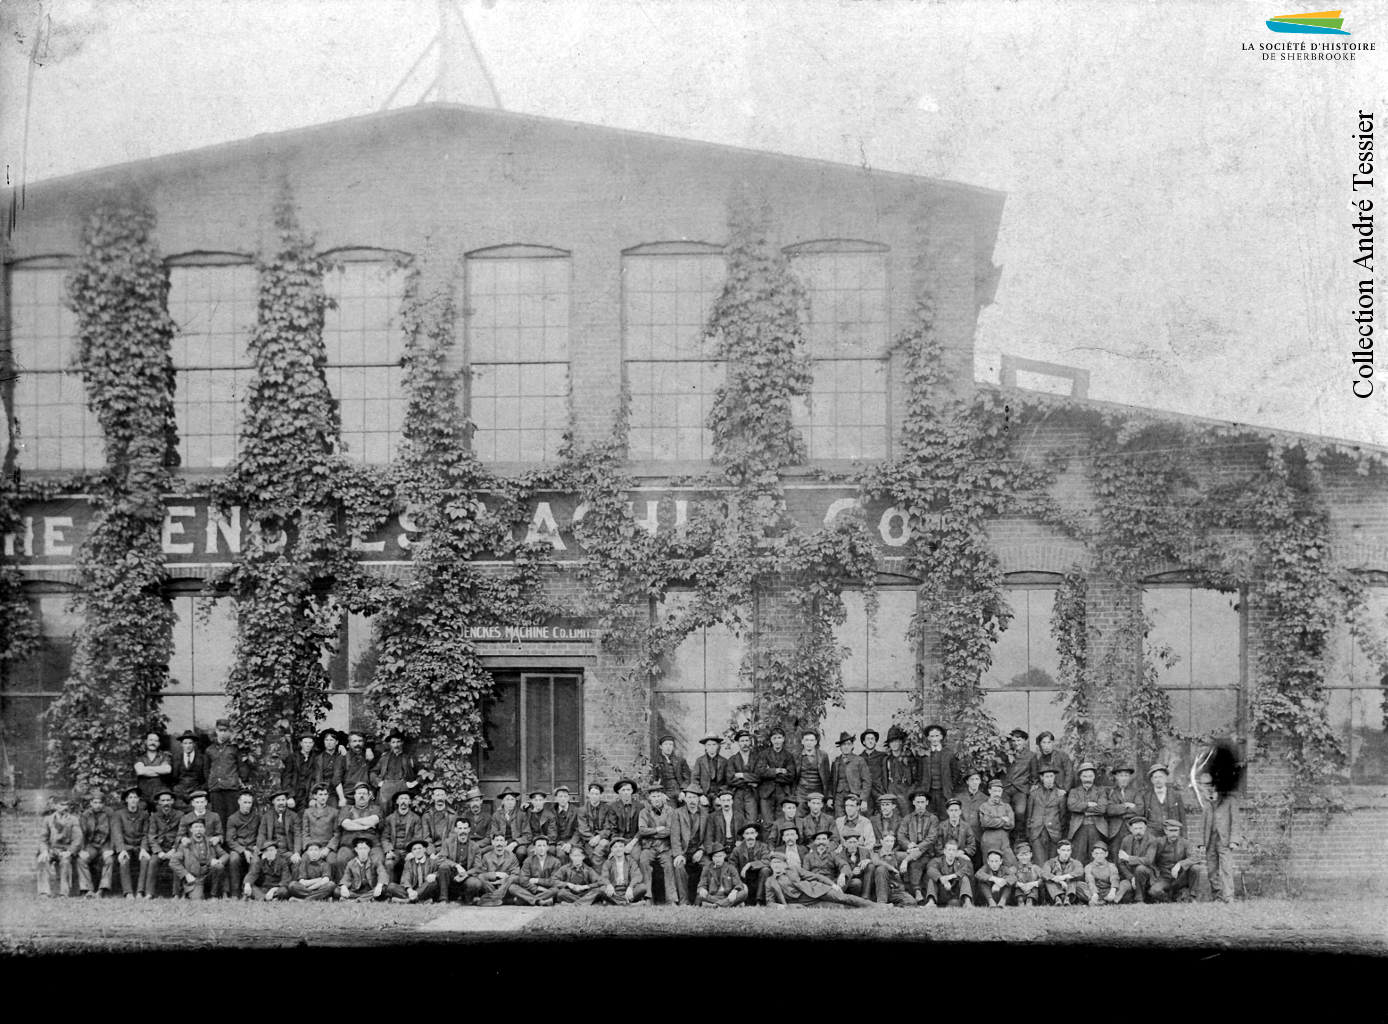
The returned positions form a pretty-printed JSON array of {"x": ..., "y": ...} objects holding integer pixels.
[
  {"x": 1169, "y": 610},
  {"x": 364, "y": 343},
  {"x": 1214, "y": 643},
  {"x": 567, "y": 726},
  {"x": 847, "y": 414},
  {"x": 710, "y": 658},
  {"x": 539, "y": 718},
  {"x": 682, "y": 715},
  {"x": 501, "y": 733},
  {"x": 847, "y": 294}
]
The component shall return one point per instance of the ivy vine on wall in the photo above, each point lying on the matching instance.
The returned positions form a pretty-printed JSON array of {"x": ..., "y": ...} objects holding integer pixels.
[{"x": 118, "y": 290}]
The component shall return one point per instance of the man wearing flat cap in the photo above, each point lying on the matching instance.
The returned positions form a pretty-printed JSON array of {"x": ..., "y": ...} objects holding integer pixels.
[
  {"x": 937, "y": 769},
  {"x": 816, "y": 818},
  {"x": 622, "y": 881},
  {"x": 1047, "y": 816},
  {"x": 710, "y": 768},
  {"x": 1088, "y": 806},
  {"x": 655, "y": 825},
  {"x": 1176, "y": 871},
  {"x": 776, "y": 775},
  {"x": 1135, "y": 856},
  {"x": 996, "y": 819},
  {"x": 741, "y": 776},
  {"x": 213, "y": 825},
  {"x": 360, "y": 820},
  {"x": 1064, "y": 875},
  {"x": 811, "y": 770},
  {"x": 1019, "y": 780},
  {"x": 228, "y": 772},
  {"x": 1124, "y": 800},
  {"x": 60, "y": 843},
  {"x": 1161, "y": 800},
  {"x": 1103, "y": 880},
  {"x": 888, "y": 817},
  {"x": 687, "y": 842},
  {"x": 849, "y": 775},
  {"x": 670, "y": 770},
  {"x": 876, "y": 758},
  {"x": 955, "y": 827}
]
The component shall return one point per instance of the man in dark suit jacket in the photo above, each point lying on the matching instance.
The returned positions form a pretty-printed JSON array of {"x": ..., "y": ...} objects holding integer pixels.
[
  {"x": 687, "y": 843},
  {"x": 189, "y": 770},
  {"x": 671, "y": 772},
  {"x": 710, "y": 768},
  {"x": 740, "y": 775},
  {"x": 937, "y": 770},
  {"x": 723, "y": 826},
  {"x": 776, "y": 775},
  {"x": 751, "y": 858}
]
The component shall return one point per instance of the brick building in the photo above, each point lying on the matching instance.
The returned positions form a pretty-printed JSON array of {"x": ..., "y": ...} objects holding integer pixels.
[{"x": 592, "y": 258}]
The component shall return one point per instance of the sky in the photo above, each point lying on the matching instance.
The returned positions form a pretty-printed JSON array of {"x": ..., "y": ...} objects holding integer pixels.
[{"x": 1178, "y": 216}]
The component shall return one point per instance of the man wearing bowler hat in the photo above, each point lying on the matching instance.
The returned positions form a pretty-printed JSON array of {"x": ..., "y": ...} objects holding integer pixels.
[
  {"x": 509, "y": 823},
  {"x": 228, "y": 772},
  {"x": 474, "y": 812},
  {"x": 280, "y": 825},
  {"x": 741, "y": 776},
  {"x": 721, "y": 885},
  {"x": 198, "y": 864},
  {"x": 899, "y": 768},
  {"x": 786, "y": 841},
  {"x": 330, "y": 767},
  {"x": 1088, "y": 805},
  {"x": 401, "y": 827},
  {"x": 687, "y": 842},
  {"x": 654, "y": 831},
  {"x": 296, "y": 776},
  {"x": 749, "y": 857},
  {"x": 161, "y": 843},
  {"x": 710, "y": 768},
  {"x": 189, "y": 769},
  {"x": 130, "y": 824},
  {"x": 723, "y": 826},
  {"x": 361, "y": 820},
  {"x": 1124, "y": 801},
  {"x": 776, "y": 775},
  {"x": 624, "y": 816},
  {"x": 937, "y": 770},
  {"x": 1047, "y": 816},
  {"x": 436, "y": 823},
  {"x": 270, "y": 876},
  {"x": 1135, "y": 856},
  {"x": 788, "y": 818},
  {"x": 849, "y": 775},
  {"x": 396, "y": 771}
]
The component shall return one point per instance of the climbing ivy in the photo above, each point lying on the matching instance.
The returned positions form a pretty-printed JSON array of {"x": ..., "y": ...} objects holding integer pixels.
[
  {"x": 429, "y": 681},
  {"x": 118, "y": 290},
  {"x": 292, "y": 479}
]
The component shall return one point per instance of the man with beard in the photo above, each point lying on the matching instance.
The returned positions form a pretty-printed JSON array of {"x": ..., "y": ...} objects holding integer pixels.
[
  {"x": 822, "y": 861},
  {"x": 687, "y": 842},
  {"x": 776, "y": 775},
  {"x": 459, "y": 864},
  {"x": 356, "y": 767},
  {"x": 474, "y": 812},
  {"x": 129, "y": 825},
  {"x": 750, "y": 859},
  {"x": 741, "y": 775},
  {"x": 436, "y": 823},
  {"x": 153, "y": 770},
  {"x": 198, "y": 863}
]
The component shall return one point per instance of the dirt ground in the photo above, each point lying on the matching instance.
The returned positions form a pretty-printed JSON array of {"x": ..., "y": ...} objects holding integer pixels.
[{"x": 30, "y": 925}]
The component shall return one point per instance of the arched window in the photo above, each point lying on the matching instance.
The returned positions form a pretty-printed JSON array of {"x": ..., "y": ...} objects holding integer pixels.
[
  {"x": 668, "y": 290},
  {"x": 518, "y": 351},
  {"x": 212, "y": 300},
  {"x": 364, "y": 342},
  {"x": 847, "y": 335},
  {"x": 53, "y": 427}
]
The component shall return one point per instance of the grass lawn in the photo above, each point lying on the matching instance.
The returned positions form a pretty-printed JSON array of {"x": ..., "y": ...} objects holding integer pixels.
[{"x": 31, "y": 925}]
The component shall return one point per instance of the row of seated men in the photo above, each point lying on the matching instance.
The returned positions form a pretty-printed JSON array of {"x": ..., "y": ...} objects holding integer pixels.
[{"x": 658, "y": 850}]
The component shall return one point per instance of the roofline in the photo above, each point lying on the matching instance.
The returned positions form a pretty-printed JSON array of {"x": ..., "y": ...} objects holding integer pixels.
[
  {"x": 290, "y": 135},
  {"x": 1064, "y": 401}
]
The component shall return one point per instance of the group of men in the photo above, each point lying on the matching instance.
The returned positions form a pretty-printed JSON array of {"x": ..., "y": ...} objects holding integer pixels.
[{"x": 759, "y": 827}]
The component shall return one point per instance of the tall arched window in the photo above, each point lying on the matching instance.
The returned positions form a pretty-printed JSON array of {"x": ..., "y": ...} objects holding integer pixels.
[
  {"x": 212, "y": 300},
  {"x": 847, "y": 334},
  {"x": 54, "y": 429},
  {"x": 518, "y": 351},
  {"x": 668, "y": 290},
  {"x": 364, "y": 343}
]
